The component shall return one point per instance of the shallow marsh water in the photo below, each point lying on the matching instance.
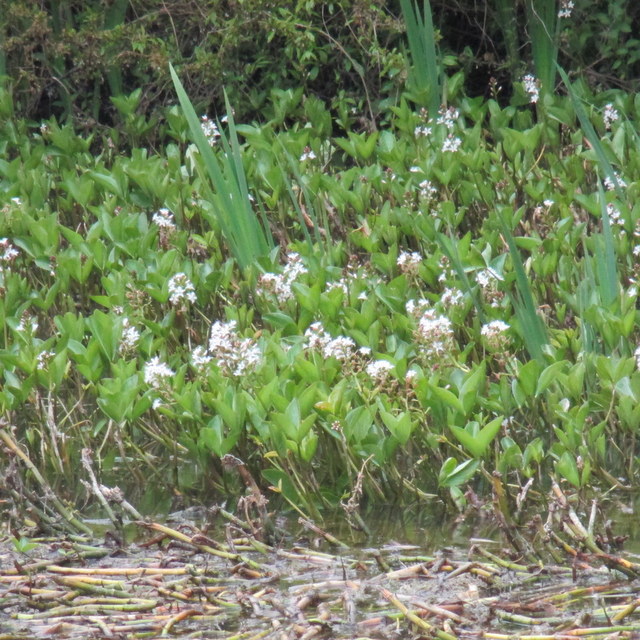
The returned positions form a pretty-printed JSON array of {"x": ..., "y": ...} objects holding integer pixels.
[{"x": 418, "y": 574}]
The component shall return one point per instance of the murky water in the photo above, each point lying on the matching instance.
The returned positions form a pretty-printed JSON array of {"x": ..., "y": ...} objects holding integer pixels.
[{"x": 417, "y": 573}]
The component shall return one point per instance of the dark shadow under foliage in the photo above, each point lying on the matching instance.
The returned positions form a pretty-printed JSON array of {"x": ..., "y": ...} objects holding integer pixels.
[{"x": 67, "y": 59}]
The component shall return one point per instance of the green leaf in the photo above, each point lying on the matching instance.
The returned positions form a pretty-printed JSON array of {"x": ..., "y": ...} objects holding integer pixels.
[
  {"x": 453, "y": 474},
  {"x": 550, "y": 375},
  {"x": 567, "y": 468},
  {"x": 477, "y": 441}
]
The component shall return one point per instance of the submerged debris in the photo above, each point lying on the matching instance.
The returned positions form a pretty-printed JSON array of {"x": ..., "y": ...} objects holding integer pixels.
[{"x": 183, "y": 582}]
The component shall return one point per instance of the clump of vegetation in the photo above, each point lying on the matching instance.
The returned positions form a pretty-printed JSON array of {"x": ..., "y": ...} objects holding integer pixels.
[{"x": 356, "y": 314}]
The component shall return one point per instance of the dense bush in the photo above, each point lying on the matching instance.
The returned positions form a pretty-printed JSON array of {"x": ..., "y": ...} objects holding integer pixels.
[{"x": 69, "y": 58}]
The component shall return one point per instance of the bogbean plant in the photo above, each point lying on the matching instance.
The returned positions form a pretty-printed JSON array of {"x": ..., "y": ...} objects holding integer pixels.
[{"x": 440, "y": 304}]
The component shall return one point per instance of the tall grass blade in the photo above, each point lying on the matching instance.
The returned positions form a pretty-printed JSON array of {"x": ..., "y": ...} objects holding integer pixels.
[
  {"x": 533, "y": 329},
  {"x": 426, "y": 73},
  {"x": 450, "y": 250},
  {"x": 606, "y": 257},
  {"x": 318, "y": 221},
  {"x": 584, "y": 299},
  {"x": 542, "y": 21},
  {"x": 590, "y": 132},
  {"x": 240, "y": 225}
]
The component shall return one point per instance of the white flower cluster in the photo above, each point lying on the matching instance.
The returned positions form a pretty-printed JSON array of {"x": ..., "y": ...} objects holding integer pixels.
[
  {"x": 307, "y": 154},
  {"x": 163, "y": 218},
  {"x": 181, "y": 289},
  {"x": 8, "y": 252},
  {"x": 379, "y": 370},
  {"x": 448, "y": 117},
  {"x": 427, "y": 190},
  {"x": 452, "y": 297},
  {"x": 615, "y": 217},
  {"x": 451, "y": 143},
  {"x": 494, "y": 335},
  {"x": 130, "y": 336},
  {"x": 156, "y": 373},
  {"x": 566, "y": 7},
  {"x": 416, "y": 308},
  {"x": 532, "y": 87},
  {"x": 609, "y": 116},
  {"x": 434, "y": 335},
  {"x": 488, "y": 280},
  {"x": 610, "y": 185},
  {"x": 280, "y": 284},
  {"x": 210, "y": 130},
  {"x": 342, "y": 348},
  {"x": 200, "y": 358},
  {"x": 28, "y": 324},
  {"x": 43, "y": 359},
  {"x": 409, "y": 263},
  {"x": 422, "y": 130},
  {"x": 234, "y": 355}
]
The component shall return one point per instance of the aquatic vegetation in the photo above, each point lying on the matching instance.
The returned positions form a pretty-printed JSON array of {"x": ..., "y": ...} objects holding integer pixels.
[{"x": 389, "y": 313}]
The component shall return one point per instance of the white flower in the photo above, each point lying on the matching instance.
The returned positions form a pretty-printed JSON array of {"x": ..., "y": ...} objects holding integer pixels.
[
  {"x": 494, "y": 334},
  {"x": 451, "y": 297},
  {"x": 610, "y": 185},
  {"x": 614, "y": 215},
  {"x": 548, "y": 203},
  {"x": 427, "y": 190},
  {"x": 156, "y": 373},
  {"x": 448, "y": 117},
  {"x": 199, "y": 358},
  {"x": 410, "y": 376},
  {"x": 487, "y": 277},
  {"x": 451, "y": 144},
  {"x": 210, "y": 130},
  {"x": 409, "y": 263},
  {"x": 379, "y": 370},
  {"x": 610, "y": 115},
  {"x": 181, "y": 289},
  {"x": 415, "y": 169},
  {"x": 308, "y": 154},
  {"x": 417, "y": 308},
  {"x": 130, "y": 336},
  {"x": 164, "y": 219},
  {"x": 566, "y": 7},
  {"x": 422, "y": 130},
  {"x": 280, "y": 284},
  {"x": 434, "y": 335},
  {"x": 488, "y": 280},
  {"x": 8, "y": 252},
  {"x": 531, "y": 86},
  {"x": 316, "y": 336},
  {"x": 234, "y": 355},
  {"x": 43, "y": 359},
  {"x": 341, "y": 348},
  {"x": 27, "y": 324},
  {"x": 636, "y": 353}
]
